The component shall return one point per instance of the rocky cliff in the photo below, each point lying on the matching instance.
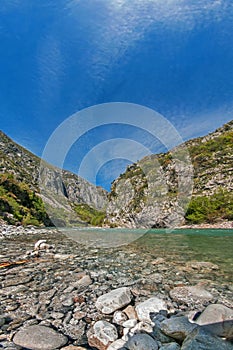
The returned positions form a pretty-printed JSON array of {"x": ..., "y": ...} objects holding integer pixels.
[
  {"x": 61, "y": 190},
  {"x": 192, "y": 183}
]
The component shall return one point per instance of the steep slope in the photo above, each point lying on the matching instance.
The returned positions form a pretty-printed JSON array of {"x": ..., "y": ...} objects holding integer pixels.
[
  {"x": 61, "y": 190},
  {"x": 155, "y": 192}
]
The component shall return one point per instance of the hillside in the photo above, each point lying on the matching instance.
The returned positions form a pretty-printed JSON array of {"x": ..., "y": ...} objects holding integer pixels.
[
  {"x": 62, "y": 191},
  {"x": 149, "y": 193},
  {"x": 191, "y": 184}
]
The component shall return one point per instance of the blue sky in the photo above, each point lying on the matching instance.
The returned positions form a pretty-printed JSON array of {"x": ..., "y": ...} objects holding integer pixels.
[{"x": 61, "y": 56}]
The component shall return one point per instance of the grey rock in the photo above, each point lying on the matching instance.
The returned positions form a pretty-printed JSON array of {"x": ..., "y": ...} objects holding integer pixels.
[
  {"x": 171, "y": 346},
  {"x": 218, "y": 319},
  {"x": 82, "y": 283},
  {"x": 177, "y": 327},
  {"x": 114, "y": 300},
  {"x": 141, "y": 342},
  {"x": 39, "y": 338},
  {"x": 199, "y": 339}
]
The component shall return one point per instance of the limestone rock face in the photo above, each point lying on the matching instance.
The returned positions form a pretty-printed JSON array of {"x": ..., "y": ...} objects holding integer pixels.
[
  {"x": 150, "y": 193},
  {"x": 114, "y": 300},
  {"x": 39, "y": 338},
  {"x": 58, "y": 188}
]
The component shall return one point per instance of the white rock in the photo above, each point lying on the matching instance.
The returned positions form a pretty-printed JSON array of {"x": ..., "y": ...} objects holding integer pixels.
[
  {"x": 125, "y": 334},
  {"x": 141, "y": 327},
  {"x": 152, "y": 305},
  {"x": 102, "y": 335},
  {"x": 119, "y": 317},
  {"x": 38, "y": 244},
  {"x": 130, "y": 323},
  {"x": 116, "y": 345},
  {"x": 114, "y": 300}
]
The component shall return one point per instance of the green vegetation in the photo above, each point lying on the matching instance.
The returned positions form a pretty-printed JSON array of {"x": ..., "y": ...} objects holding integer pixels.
[
  {"x": 203, "y": 154},
  {"x": 19, "y": 204},
  {"x": 90, "y": 215},
  {"x": 211, "y": 209}
]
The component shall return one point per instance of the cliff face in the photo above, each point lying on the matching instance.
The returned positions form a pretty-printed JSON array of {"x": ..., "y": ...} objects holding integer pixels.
[
  {"x": 158, "y": 190},
  {"x": 191, "y": 183},
  {"x": 60, "y": 190}
]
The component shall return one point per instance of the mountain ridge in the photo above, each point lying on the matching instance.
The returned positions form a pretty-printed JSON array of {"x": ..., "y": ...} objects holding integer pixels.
[{"x": 148, "y": 194}]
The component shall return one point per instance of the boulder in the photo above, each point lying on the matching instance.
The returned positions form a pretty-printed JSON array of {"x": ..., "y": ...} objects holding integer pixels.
[
  {"x": 102, "y": 335},
  {"x": 177, "y": 327},
  {"x": 145, "y": 309},
  {"x": 218, "y": 319},
  {"x": 199, "y": 339},
  {"x": 38, "y": 337},
  {"x": 141, "y": 342}
]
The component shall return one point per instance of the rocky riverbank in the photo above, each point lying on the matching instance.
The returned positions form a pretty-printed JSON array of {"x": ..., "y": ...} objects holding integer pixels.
[{"x": 58, "y": 294}]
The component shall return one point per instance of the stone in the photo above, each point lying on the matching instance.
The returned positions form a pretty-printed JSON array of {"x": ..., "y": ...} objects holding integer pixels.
[
  {"x": 73, "y": 347},
  {"x": 190, "y": 295},
  {"x": 145, "y": 309},
  {"x": 177, "y": 327},
  {"x": 38, "y": 337},
  {"x": 141, "y": 342},
  {"x": 102, "y": 335},
  {"x": 142, "y": 327},
  {"x": 218, "y": 319},
  {"x": 114, "y": 300},
  {"x": 2, "y": 321},
  {"x": 117, "y": 345},
  {"x": 130, "y": 323},
  {"x": 171, "y": 346},
  {"x": 82, "y": 283},
  {"x": 130, "y": 312},
  {"x": 199, "y": 339},
  {"x": 119, "y": 317}
]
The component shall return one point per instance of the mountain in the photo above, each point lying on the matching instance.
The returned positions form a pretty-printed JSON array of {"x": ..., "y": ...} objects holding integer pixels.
[
  {"x": 191, "y": 184},
  {"x": 68, "y": 199}
]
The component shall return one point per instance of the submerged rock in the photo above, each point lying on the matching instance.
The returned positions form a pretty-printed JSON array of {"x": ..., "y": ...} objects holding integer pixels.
[{"x": 190, "y": 295}]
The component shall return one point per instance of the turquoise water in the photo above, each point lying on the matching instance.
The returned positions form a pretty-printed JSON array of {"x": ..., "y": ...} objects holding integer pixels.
[{"x": 181, "y": 245}]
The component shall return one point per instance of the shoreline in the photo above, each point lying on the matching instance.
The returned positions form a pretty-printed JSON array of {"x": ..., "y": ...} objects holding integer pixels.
[{"x": 76, "y": 296}]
